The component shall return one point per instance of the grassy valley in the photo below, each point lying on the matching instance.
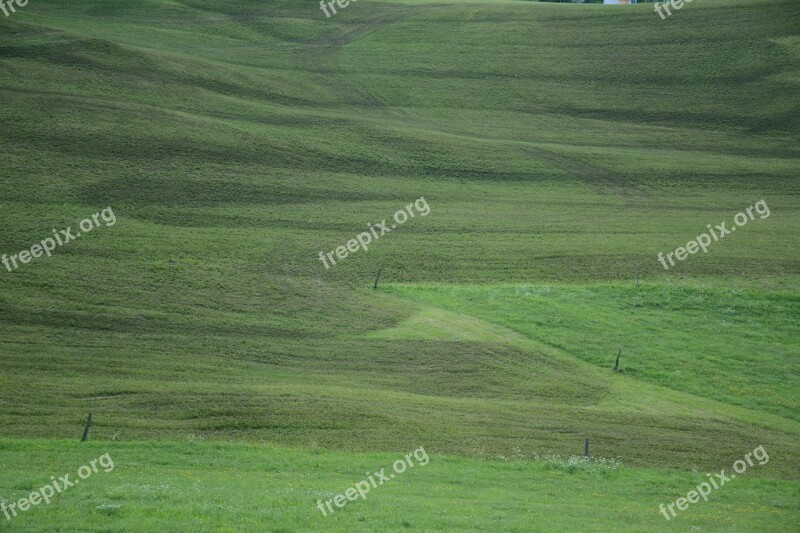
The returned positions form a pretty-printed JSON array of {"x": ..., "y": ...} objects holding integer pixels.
[{"x": 561, "y": 147}]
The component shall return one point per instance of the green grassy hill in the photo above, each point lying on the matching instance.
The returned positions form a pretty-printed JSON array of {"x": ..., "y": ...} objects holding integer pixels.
[{"x": 560, "y": 148}]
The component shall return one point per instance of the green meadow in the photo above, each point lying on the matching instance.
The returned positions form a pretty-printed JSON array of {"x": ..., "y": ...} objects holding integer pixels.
[
  {"x": 216, "y": 486},
  {"x": 236, "y": 380}
]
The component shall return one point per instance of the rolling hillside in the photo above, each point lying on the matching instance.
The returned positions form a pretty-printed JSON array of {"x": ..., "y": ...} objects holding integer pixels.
[{"x": 559, "y": 147}]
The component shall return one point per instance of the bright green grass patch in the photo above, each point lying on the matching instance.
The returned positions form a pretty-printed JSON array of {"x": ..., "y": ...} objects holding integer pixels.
[
  {"x": 204, "y": 486},
  {"x": 736, "y": 346}
]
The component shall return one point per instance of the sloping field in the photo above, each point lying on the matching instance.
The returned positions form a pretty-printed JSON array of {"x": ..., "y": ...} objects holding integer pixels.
[{"x": 548, "y": 152}]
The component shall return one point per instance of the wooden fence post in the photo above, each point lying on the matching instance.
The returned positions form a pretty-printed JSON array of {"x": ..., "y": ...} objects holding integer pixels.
[{"x": 86, "y": 429}]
